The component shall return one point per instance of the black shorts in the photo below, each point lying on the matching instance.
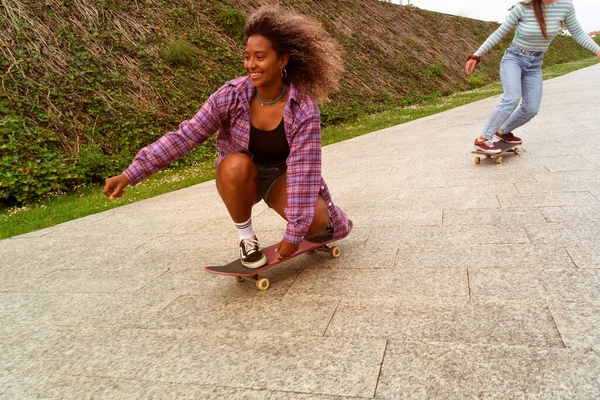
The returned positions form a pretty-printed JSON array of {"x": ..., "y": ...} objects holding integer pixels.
[{"x": 267, "y": 175}]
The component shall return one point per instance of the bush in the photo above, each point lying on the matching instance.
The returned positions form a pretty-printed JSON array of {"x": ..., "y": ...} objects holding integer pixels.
[
  {"x": 93, "y": 166},
  {"x": 332, "y": 114},
  {"x": 232, "y": 22},
  {"x": 476, "y": 81},
  {"x": 436, "y": 70},
  {"x": 180, "y": 53},
  {"x": 30, "y": 166}
]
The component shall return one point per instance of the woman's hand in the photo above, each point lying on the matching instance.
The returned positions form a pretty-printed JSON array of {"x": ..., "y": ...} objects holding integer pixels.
[
  {"x": 470, "y": 66},
  {"x": 598, "y": 54},
  {"x": 113, "y": 189},
  {"x": 286, "y": 249}
]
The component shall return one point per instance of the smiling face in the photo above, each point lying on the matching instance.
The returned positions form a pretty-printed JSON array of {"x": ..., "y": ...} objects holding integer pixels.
[{"x": 262, "y": 62}]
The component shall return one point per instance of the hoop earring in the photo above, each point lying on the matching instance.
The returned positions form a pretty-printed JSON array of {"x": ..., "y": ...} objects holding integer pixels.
[{"x": 284, "y": 74}]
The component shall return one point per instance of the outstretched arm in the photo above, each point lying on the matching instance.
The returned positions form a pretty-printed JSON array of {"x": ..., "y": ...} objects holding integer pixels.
[
  {"x": 579, "y": 34},
  {"x": 175, "y": 145},
  {"x": 168, "y": 148},
  {"x": 511, "y": 21}
]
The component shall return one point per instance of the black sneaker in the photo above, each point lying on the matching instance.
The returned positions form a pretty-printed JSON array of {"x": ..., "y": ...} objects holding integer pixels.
[{"x": 250, "y": 254}]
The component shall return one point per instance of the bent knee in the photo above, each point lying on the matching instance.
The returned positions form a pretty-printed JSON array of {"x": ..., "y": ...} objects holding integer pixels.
[
  {"x": 237, "y": 167},
  {"x": 510, "y": 102},
  {"x": 530, "y": 113}
]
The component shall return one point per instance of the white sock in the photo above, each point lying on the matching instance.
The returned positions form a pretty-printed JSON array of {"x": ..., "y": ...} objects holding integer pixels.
[{"x": 245, "y": 229}]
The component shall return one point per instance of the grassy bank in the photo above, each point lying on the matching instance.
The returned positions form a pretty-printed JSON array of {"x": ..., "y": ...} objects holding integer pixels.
[
  {"x": 85, "y": 84},
  {"x": 89, "y": 200}
]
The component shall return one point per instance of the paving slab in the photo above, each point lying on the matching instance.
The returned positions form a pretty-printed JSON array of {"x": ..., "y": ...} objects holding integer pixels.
[
  {"x": 565, "y": 198},
  {"x": 567, "y": 233},
  {"x": 578, "y": 322},
  {"x": 550, "y": 256},
  {"x": 78, "y": 388},
  {"x": 96, "y": 280},
  {"x": 297, "y": 364},
  {"x": 22, "y": 345},
  {"x": 483, "y": 219},
  {"x": 563, "y": 214},
  {"x": 572, "y": 285},
  {"x": 527, "y": 324},
  {"x": 378, "y": 283},
  {"x": 19, "y": 385},
  {"x": 506, "y": 284},
  {"x": 110, "y": 353},
  {"x": 585, "y": 255},
  {"x": 55, "y": 309},
  {"x": 458, "y": 280},
  {"x": 300, "y": 315},
  {"x": 452, "y": 234},
  {"x": 459, "y": 371}
]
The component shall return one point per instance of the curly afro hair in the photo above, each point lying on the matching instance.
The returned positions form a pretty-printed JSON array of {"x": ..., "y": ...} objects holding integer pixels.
[{"x": 315, "y": 58}]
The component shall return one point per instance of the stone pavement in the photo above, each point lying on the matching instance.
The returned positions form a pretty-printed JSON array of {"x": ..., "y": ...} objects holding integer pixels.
[{"x": 459, "y": 280}]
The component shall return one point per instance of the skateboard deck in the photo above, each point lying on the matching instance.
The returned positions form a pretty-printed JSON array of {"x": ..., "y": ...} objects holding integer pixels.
[
  {"x": 505, "y": 147},
  {"x": 241, "y": 273}
]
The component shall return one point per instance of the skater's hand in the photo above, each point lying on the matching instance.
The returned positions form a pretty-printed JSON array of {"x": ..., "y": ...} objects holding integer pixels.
[
  {"x": 286, "y": 249},
  {"x": 470, "y": 66},
  {"x": 114, "y": 186},
  {"x": 598, "y": 54}
]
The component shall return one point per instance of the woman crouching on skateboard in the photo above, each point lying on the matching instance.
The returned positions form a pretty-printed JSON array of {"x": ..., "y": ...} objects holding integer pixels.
[
  {"x": 269, "y": 135},
  {"x": 537, "y": 22}
]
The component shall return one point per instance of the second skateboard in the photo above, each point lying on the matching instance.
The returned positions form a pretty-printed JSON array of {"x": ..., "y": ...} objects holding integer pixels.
[{"x": 504, "y": 146}]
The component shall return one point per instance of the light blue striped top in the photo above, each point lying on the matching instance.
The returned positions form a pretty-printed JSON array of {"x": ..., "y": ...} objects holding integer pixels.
[{"x": 529, "y": 34}]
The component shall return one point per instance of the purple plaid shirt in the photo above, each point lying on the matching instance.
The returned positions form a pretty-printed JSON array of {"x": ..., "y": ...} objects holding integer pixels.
[{"x": 228, "y": 112}]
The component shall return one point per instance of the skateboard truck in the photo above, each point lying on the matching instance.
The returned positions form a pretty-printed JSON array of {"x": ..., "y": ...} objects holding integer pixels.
[
  {"x": 334, "y": 251},
  {"x": 263, "y": 283}
]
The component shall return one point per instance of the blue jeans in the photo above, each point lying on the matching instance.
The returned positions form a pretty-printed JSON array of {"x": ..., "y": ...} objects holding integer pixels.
[{"x": 521, "y": 75}]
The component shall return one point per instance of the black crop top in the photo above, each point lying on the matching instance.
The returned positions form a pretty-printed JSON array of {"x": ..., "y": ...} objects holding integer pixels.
[{"x": 269, "y": 147}]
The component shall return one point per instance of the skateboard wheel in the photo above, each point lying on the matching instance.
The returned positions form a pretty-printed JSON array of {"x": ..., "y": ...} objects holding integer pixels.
[
  {"x": 516, "y": 150},
  {"x": 238, "y": 279},
  {"x": 335, "y": 252},
  {"x": 498, "y": 160},
  {"x": 477, "y": 160},
  {"x": 262, "y": 284}
]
